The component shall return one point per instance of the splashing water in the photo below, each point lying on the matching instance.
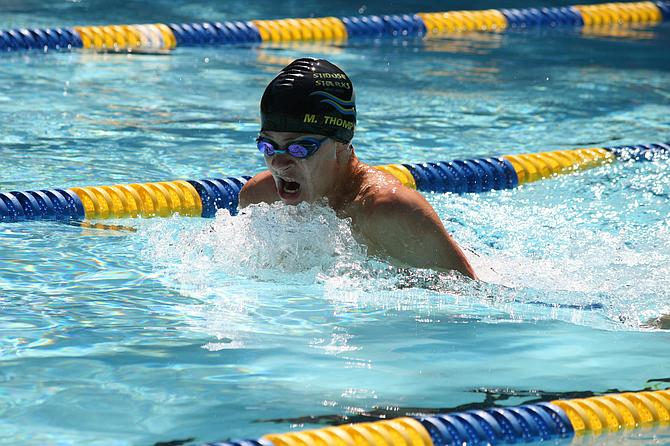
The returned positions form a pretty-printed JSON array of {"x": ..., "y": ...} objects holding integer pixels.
[
  {"x": 293, "y": 244},
  {"x": 298, "y": 245},
  {"x": 581, "y": 257},
  {"x": 243, "y": 267},
  {"x": 602, "y": 237}
]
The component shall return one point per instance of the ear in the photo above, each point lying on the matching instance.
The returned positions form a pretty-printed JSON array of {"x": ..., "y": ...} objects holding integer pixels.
[{"x": 341, "y": 146}]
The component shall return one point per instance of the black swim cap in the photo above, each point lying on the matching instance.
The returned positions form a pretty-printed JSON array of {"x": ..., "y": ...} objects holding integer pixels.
[{"x": 310, "y": 96}]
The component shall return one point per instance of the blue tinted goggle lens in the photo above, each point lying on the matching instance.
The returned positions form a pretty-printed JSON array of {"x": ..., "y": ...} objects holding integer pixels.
[{"x": 300, "y": 149}]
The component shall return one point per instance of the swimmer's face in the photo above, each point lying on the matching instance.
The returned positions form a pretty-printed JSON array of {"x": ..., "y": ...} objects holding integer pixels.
[{"x": 303, "y": 179}]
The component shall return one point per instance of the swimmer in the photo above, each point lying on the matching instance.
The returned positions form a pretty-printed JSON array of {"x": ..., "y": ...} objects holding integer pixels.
[
  {"x": 308, "y": 118},
  {"x": 662, "y": 322}
]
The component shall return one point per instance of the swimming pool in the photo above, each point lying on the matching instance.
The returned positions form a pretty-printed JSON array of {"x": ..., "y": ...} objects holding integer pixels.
[{"x": 138, "y": 331}]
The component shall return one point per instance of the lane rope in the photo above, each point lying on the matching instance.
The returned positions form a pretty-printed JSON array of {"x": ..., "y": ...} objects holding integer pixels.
[
  {"x": 203, "y": 198},
  {"x": 158, "y": 37},
  {"x": 546, "y": 421}
]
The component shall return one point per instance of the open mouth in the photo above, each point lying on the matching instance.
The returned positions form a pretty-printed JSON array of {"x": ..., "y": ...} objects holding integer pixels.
[
  {"x": 291, "y": 187},
  {"x": 288, "y": 189}
]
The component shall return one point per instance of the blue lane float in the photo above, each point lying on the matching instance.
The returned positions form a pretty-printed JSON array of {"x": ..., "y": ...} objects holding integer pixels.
[
  {"x": 27, "y": 39},
  {"x": 215, "y": 33},
  {"x": 54, "y": 204},
  {"x": 552, "y": 17},
  {"x": 464, "y": 176},
  {"x": 528, "y": 423},
  {"x": 642, "y": 152},
  {"x": 219, "y": 194}
]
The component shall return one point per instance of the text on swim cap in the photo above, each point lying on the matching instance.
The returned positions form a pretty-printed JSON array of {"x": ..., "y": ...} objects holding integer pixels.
[
  {"x": 346, "y": 85},
  {"x": 330, "y": 120},
  {"x": 329, "y": 76}
]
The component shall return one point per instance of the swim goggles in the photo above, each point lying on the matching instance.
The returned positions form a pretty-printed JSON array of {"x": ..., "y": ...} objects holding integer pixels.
[{"x": 301, "y": 148}]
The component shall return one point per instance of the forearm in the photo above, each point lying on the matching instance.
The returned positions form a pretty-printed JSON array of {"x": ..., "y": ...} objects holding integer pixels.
[{"x": 439, "y": 254}]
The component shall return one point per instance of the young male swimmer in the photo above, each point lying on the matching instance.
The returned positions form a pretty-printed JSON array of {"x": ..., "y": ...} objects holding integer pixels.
[{"x": 308, "y": 118}]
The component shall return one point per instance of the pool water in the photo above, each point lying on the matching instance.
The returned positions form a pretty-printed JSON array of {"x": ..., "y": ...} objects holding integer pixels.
[{"x": 140, "y": 331}]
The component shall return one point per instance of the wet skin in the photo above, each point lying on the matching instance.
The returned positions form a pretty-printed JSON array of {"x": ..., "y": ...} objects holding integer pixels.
[{"x": 390, "y": 219}]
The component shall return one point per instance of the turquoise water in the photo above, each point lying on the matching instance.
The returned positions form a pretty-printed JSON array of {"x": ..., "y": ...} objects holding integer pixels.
[{"x": 134, "y": 332}]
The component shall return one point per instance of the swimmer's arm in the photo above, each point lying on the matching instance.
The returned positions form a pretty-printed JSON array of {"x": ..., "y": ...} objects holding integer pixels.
[
  {"x": 259, "y": 189},
  {"x": 662, "y": 322},
  {"x": 407, "y": 228}
]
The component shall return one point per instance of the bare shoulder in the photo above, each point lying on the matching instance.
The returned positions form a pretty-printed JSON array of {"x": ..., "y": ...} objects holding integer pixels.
[
  {"x": 259, "y": 189},
  {"x": 399, "y": 221},
  {"x": 384, "y": 197}
]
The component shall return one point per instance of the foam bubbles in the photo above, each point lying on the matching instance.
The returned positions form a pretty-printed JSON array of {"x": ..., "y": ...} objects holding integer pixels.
[
  {"x": 264, "y": 242},
  {"x": 600, "y": 237}
]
